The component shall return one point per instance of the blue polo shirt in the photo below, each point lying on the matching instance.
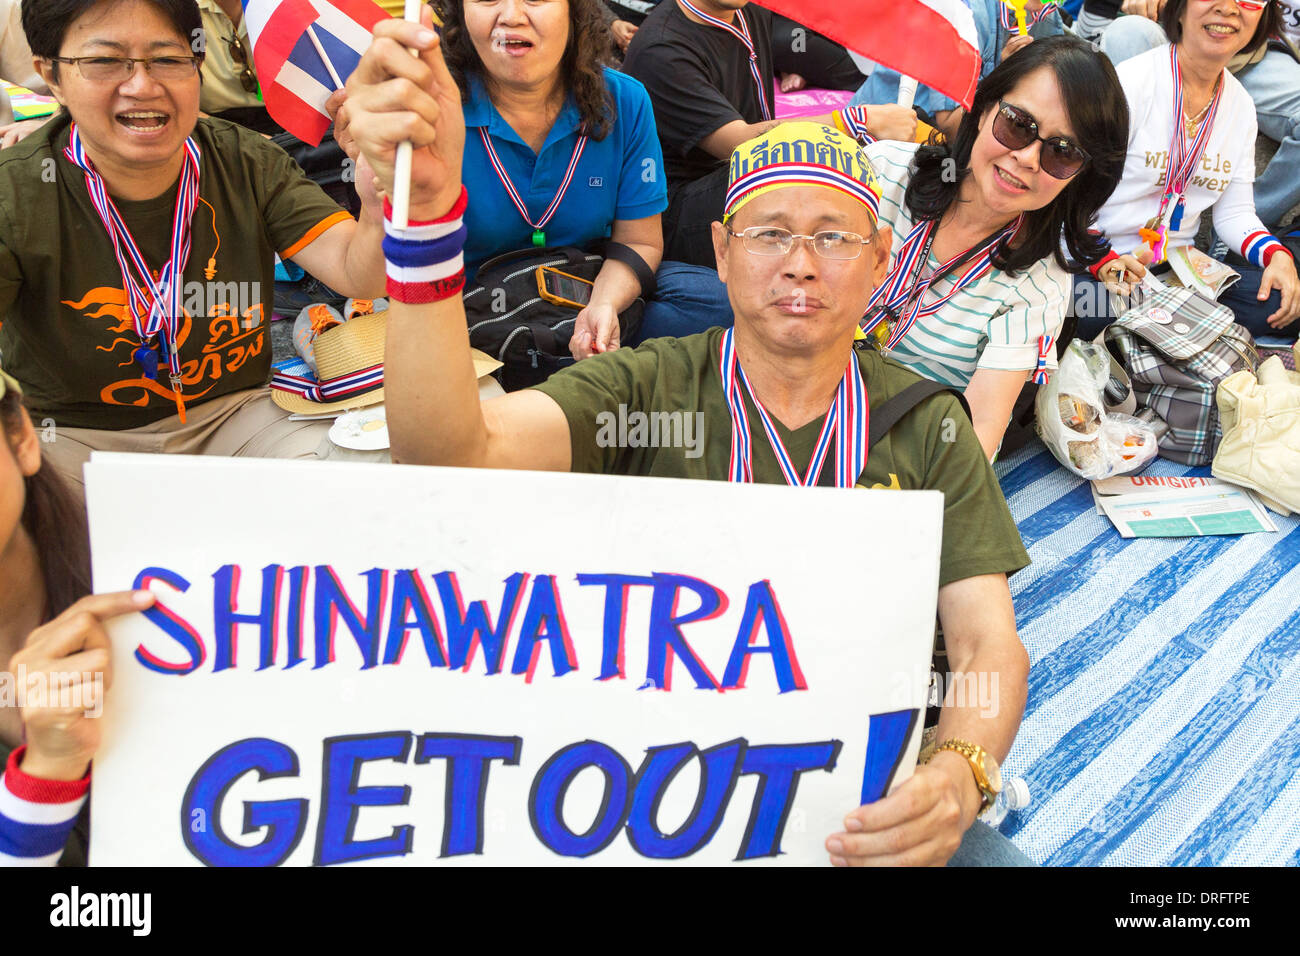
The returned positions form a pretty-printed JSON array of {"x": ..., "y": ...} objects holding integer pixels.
[{"x": 619, "y": 177}]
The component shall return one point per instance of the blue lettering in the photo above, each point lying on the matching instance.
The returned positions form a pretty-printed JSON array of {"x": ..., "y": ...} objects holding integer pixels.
[
  {"x": 544, "y": 621},
  {"x": 332, "y": 600},
  {"x": 468, "y": 760},
  {"x": 761, "y": 605},
  {"x": 297, "y": 608},
  {"x": 409, "y": 595},
  {"x": 546, "y": 800},
  {"x": 779, "y": 767},
  {"x": 887, "y": 736},
  {"x": 283, "y": 820},
  {"x": 718, "y": 774},
  {"x": 666, "y": 638},
  {"x": 224, "y": 618},
  {"x": 342, "y": 798},
  {"x": 466, "y": 630},
  {"x": 171, "y": 624},
  {"x": 615, "y": 626}
]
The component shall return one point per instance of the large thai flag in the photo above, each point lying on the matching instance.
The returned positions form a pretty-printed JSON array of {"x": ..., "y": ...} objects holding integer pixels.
[
  {"x": 932, "y": 41},
  {"x": 303, "y": 51}
]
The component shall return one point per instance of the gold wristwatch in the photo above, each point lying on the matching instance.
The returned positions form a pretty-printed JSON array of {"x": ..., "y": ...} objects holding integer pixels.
[{"x": 988, "y": 776}]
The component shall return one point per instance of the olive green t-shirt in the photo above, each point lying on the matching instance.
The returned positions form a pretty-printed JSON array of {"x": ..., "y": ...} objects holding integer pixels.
[
  {"x": 675, "y": 387},
  {"x": 65, "y": 334}
]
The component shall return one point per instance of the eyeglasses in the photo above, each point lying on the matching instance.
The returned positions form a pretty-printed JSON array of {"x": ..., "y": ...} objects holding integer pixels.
[
  {"x": 119, "y": 69},
  {"x": 1016, "y": 129},
  {"x": 237, "y": 53},
  {"x": 1254, "y": 6},
  {"x": 775, "y": 241}
]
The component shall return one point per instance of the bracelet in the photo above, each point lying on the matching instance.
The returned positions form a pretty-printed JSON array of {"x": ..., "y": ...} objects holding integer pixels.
[
  {"x": 37, "y": 789},
  {"x": 1260, "y": 247},
  {"x": 1095, "y": 269},
  {"x": 853, "y": 121},
  {"x": 425, "y": 261},
  {"x": 1269, "y": 252}
]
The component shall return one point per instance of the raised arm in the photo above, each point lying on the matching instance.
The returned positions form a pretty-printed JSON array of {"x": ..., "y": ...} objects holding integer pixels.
[{"x": 434, "y": 413}]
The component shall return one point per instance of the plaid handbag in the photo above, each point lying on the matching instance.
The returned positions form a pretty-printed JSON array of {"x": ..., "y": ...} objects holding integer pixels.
[{"x": 1176, "y": 346}]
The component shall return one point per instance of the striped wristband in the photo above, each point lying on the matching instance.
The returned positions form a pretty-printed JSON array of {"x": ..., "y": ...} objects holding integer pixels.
[
  {"x": 1260, "y": 248},
  {"x": 853, "y": 121},
  {"x": 426, "y": 261}
]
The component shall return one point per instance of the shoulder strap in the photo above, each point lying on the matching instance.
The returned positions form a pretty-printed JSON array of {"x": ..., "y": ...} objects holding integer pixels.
[
  {"x": 895, "y": 409},
  {"x": 630, "y": 258},
  {"x": 965, "y": 257},
  {"x": 509, "y": 261}
]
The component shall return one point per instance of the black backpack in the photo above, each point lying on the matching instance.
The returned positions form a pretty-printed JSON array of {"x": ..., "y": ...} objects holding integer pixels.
[{"x": 509, "y": 320}]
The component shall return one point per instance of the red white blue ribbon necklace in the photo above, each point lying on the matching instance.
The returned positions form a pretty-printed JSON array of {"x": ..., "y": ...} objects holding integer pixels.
[
  {"x": 1008, "y": 16},
  {"x": 847, "y": 422},
  {"x": 901, "y": 289},
  {"x": 743, "y": 35},
  {"x": 539, "y": 237},
  {"x": 155, "y": 305},
  {"x": 1184, "y": 157}
]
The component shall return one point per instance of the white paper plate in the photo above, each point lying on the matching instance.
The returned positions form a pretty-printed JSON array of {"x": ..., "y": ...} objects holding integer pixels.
[{"x": 363, "y": 430}]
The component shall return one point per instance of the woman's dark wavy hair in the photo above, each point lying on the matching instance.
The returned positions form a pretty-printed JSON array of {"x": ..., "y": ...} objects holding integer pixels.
[
  {"x": 46, "y": 22},
  {"x": 1099, "y": 116},
  {"x": 53, "y": 519},
  {"x": 1171, "y": 18},
  {"x": 582, "y": 69}
]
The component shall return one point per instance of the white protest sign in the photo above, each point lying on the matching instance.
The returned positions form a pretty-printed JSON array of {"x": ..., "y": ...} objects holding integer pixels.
[{"x": 420, "y": 665}]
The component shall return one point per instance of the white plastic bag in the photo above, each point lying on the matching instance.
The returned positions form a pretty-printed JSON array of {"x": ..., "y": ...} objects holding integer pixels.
[{"x": 1073, "y": 423}]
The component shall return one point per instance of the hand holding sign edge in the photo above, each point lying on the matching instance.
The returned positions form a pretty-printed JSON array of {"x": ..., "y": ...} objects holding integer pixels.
[
  {"x": 920, "y": 823},
  {"x": 62, "y": 740}
]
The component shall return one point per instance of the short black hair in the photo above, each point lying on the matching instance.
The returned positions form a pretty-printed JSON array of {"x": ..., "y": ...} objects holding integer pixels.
[
  {"x": 46, "y": 22},
  {"x": 1098, "y": 114},
  {"x": 1171, "y": 18}
]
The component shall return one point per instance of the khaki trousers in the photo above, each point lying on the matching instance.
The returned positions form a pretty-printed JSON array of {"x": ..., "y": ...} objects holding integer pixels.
[{"x": 243, "y": 424}]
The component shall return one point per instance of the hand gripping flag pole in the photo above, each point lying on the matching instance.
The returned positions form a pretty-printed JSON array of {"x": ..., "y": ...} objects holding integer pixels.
[
  {"x": 906, "y": 91},
  {"x": 405, "y": 152}
]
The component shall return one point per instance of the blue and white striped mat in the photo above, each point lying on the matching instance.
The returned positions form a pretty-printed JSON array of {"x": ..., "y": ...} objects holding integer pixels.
[{"x": 1163, "y": 720}]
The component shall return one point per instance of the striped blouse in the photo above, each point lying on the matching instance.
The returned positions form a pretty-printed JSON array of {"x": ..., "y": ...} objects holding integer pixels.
[{"x": 997, "y": 323}]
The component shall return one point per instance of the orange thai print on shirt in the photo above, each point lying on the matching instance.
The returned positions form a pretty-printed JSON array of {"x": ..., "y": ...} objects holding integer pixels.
[{"x": 232, "y": 339}]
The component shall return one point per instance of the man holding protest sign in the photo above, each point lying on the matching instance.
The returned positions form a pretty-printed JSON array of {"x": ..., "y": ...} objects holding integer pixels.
[{"x": 796, "y": 310}]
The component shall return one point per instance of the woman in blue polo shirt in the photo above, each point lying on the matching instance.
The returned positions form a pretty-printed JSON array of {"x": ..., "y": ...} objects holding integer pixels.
[{"x": 559, "y": 151}]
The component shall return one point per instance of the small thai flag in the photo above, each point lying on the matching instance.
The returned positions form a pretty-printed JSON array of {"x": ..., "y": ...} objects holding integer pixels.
[
  {"x": 932, "y": 41},
  {"x": 304, "y": 50}
]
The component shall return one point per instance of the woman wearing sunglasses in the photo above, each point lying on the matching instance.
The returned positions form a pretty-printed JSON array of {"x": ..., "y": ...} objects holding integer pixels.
[
  {"x": 979, "y": 286},
  {"x": 1191, "y": 148}
]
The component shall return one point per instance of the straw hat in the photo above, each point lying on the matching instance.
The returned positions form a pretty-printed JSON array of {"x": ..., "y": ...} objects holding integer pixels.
[{"x": 350, "y": 362}]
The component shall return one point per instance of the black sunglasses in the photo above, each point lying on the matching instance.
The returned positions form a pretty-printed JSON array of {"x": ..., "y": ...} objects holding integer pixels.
[
  {"x": 237, "y": 53},
  {"x": 1016, "y": 129}
]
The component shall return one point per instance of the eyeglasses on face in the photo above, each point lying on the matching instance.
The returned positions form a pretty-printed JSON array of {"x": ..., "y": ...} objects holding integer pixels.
[
  {"x": 775, "y": 241},
  {"x": 1254, "y": 6},
  {"x": 118, "y": 69},
  {"x": 1016, "y": 129}
]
